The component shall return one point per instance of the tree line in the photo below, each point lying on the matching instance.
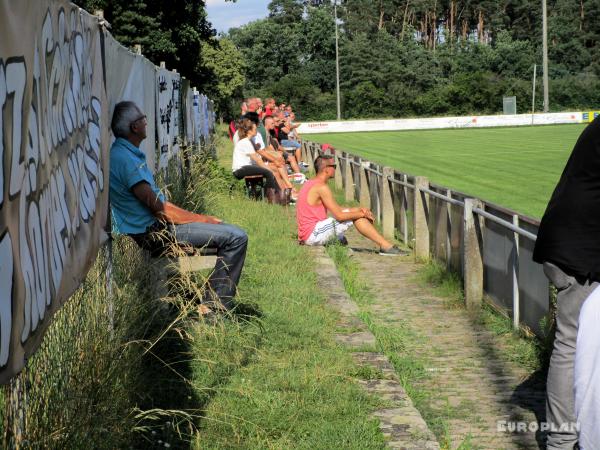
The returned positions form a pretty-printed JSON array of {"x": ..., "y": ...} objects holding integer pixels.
[
  {"x": 404, "y": 58},
  {"x": 398, "y": 58}
]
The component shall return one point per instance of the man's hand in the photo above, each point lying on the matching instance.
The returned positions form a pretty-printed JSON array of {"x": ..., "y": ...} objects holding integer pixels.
[
  {"x": 179, "y": 216},
  {"x": 210, "y": 219},
  {"x": 367, "y": 214}
]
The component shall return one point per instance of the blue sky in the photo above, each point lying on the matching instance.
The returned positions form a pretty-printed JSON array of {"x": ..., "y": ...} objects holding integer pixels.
[{"x": 224, "y": 15}]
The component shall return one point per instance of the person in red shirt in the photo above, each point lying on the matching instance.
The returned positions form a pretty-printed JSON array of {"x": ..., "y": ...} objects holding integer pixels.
[{"x": 315, "y": 200}]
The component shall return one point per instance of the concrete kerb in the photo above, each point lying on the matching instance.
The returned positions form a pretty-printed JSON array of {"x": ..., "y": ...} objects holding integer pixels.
[{"x": 401, "y": 423}]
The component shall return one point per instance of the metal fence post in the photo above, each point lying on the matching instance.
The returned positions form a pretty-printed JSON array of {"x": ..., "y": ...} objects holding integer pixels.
[
  {"x": 515, "y": 276},
  {"x": 349, "y": 188},
  {"x": 448, "y": 230},
  {"x": 364, "y": 197},
  {"x": 421, "y": 217},
  {"x": 405, "y": 209},
  {"x": 387, "y": 204},
  {"x": 473, "y": 257}
]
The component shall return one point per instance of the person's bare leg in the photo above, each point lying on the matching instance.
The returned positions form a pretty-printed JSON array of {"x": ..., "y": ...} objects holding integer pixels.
[
  {"x": 280, "y": 181},
  {"x": 366, "y": 228},
  {"x": 284, "y": 176},
  {"x": 293, "y": 164},
  {"x": 298, "y": 154}
]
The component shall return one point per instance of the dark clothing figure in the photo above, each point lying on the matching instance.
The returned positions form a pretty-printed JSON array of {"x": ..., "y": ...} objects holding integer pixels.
[{"x": 568, "y": 245}]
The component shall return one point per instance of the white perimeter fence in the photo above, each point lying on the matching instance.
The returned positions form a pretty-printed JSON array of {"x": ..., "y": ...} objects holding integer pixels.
[
  {"x": 490, "y": 246},
  {"x": 432, "y": 123}
]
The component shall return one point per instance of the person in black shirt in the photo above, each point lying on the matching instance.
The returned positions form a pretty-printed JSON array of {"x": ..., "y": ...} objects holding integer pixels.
[{"x": 568, "y": 245}]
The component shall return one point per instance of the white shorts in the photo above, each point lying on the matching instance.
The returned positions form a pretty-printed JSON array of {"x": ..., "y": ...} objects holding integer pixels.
[{"x": 326, "y": 230}]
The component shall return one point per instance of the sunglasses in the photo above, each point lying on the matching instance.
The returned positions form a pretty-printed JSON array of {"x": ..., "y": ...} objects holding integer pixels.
[
  {"x": 333, "y": 165},
  {"x": 143, "y": 117}
]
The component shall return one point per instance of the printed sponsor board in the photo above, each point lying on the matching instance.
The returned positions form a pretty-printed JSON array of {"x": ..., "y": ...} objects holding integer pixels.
[
  {"x": 53, "y": 166},
  {"x": 168, "y": 103},
  {"x": 131, "y": 77},
  {"x": 440, "y": 122}
]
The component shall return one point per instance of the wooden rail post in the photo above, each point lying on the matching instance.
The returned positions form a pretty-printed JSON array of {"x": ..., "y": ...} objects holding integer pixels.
[
  {"x": 308, "y": 156},
  {"x": 421, "y": 217},
  {"x": 473, "y": 256},
  {"x": 338, "y": 172},
  {"x": 387, "y": 203},
  {"x": 365, "y": 192},
  {"x": 349, "y": 187}
]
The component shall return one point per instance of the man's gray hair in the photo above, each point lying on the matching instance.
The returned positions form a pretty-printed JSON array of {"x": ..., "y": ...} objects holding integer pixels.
[{"x": 124, "y": 115}]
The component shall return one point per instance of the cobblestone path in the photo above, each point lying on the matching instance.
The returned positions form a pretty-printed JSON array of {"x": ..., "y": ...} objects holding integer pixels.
[
  {"x": 467, "y": 381},
  {"x": 400, "y": 422}
]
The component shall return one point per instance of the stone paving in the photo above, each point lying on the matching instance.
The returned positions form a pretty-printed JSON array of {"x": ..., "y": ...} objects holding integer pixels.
[
  {"x": 401, "y": 423},
  {"x": 469, "y": 384}
]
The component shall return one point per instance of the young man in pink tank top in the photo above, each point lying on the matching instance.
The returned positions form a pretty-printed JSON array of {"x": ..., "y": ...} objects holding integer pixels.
[{"x": 315, "y": 200}]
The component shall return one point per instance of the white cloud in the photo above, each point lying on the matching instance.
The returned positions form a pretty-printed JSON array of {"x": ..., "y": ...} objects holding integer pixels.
[{"x": 224, "y": 15}]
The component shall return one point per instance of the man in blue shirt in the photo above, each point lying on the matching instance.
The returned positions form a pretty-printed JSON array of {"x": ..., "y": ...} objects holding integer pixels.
[{"x": 140, "y": 210}]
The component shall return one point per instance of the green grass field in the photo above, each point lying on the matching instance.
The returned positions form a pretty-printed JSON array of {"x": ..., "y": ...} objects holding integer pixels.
[{"x": 513, "y": 167}]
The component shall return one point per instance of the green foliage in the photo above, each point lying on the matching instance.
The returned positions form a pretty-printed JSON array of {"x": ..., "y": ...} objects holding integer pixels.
[
  {"x": 225, "y": 68},
  {"x": 405, "y": 58},
  {"x": 172, "y": 31}
]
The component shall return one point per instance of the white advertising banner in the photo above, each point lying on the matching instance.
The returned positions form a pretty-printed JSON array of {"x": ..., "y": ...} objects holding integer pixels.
[
  {"x": 442, "y": 122},
  {"x": 54, "y": 170},
  {"x": 168, "y": 86},
  {"x": 131, "y": 77}
]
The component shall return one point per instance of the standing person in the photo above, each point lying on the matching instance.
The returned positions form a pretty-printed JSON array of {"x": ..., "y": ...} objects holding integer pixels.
[
  {"x": 568, "y": 245},
  {"x": 140, "y": 210},
  {"x": 315, "y": 200}
]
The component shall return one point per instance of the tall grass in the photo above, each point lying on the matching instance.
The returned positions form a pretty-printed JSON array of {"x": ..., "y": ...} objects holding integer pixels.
[{"x": 105, "y": 373}]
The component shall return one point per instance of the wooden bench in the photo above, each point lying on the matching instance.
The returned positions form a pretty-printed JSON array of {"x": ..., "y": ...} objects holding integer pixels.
[
  {"x": 255, "y": 186},
  {"x": 165, "y": 268}
]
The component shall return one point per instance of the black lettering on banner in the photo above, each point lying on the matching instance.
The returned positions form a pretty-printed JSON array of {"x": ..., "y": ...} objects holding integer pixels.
[
  {"x": 6, "y": 282},
  {"x": 63, "y": 108},
  {"x": 2, "y": 101},
  {"x": 16, "y": 77}
]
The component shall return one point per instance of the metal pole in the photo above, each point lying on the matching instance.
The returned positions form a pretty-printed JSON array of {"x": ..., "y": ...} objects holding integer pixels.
[
  {"x": 545, "y": 54},
  {"x": 533, "y": 93},
  {"x": 337, "y": 63},
  {"x": 515, "y": 276}
]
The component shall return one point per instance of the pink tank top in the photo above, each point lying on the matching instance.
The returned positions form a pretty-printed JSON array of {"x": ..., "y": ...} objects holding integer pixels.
[{"x": 307, "y": 216}]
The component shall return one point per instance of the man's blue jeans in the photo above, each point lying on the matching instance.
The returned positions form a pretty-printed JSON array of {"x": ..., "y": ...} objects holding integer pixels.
[
  {"x": 231, "y": 243},
  {"x": 289, "y": 143}
]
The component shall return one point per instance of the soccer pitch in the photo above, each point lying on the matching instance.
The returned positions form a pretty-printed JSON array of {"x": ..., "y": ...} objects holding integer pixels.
[{"x": 516, "y": 167}]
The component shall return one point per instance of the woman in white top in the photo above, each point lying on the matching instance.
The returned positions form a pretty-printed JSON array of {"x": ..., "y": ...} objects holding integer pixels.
[{"x": 245, "y": 159}]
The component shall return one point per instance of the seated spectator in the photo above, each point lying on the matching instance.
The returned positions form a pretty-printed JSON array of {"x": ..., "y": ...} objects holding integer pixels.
[
  {"x": 246, "y": 161},
  {"x": 233, "y": 124},
  {"x": 284, "y": 128},
  {"x": 273, "y": 145},
  {"x": 316, "y": 200},
  {"x": 269, "y": 105},
  {"x": 140, "y": 210},
  {"x": 273, "y": 160}
]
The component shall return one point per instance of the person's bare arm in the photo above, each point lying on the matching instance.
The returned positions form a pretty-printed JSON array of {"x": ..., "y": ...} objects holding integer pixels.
[
  {"x": 269, "y": 157},
  {"x": 337, "y": 211},
  {"x": 257, "y": 159},
  {"x": 167, "y": 211}
]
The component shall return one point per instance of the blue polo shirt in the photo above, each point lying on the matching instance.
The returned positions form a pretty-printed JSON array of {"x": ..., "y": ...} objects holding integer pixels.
[{"x": 127, "y": 168}]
